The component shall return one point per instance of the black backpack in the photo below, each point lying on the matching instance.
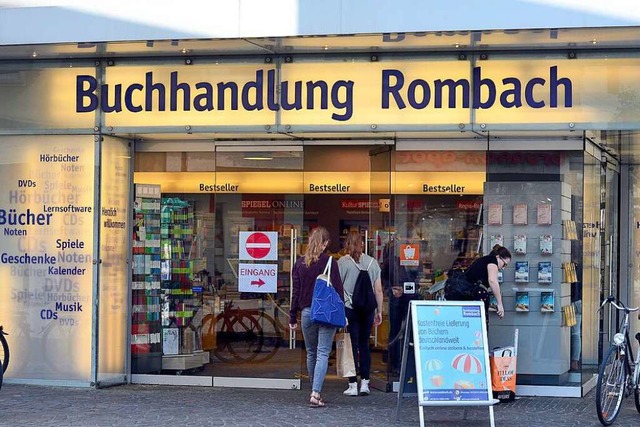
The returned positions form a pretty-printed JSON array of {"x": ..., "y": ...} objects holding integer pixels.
[{"x": 363, "y": 298}]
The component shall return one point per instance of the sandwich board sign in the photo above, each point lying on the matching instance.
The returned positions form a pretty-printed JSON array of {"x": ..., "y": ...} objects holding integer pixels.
[{"x": 448, "y": 340}]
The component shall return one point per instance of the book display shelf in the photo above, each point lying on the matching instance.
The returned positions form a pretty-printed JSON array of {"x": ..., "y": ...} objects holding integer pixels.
[
  {"x": 181, "y": 297},
  {"x": 535, "y": 223},
  {"x": 146, "y": 330}
]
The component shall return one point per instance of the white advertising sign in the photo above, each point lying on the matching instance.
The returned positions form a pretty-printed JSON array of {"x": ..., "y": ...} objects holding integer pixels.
[
  {"x": 46, "y": 255},
  {"x": 258, "y": 245},
  {"x": 261, "y": 278}
]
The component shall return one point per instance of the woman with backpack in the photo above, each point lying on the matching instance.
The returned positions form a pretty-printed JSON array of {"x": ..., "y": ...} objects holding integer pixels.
[
  {"x": 360, "y": 276},
  {"x": 481, "y": 276}
]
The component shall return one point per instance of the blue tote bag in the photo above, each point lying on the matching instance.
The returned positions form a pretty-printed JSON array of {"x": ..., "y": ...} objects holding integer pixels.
[{"x": 327, "y": 307}]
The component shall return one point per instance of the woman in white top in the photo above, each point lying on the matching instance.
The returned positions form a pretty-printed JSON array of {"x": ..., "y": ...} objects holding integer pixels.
[{"x": 360, "y": 322}]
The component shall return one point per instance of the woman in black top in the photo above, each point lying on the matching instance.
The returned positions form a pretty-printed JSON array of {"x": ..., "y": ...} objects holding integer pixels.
[{"x": 484, "y": 271}]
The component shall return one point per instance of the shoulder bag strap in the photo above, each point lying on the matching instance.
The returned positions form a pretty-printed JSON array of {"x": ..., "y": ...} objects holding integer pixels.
[
  {"x": 354, "y": 261},
  {"x": 369, "y": 264},
  {"x": 327, "y": 270}
]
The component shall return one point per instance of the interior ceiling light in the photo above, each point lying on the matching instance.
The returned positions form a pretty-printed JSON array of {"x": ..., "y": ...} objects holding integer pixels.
[{"x": 258, "y": 157}]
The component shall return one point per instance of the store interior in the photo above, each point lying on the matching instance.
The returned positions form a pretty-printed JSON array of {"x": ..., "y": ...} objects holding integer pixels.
[{"x": 208, "y": 326}]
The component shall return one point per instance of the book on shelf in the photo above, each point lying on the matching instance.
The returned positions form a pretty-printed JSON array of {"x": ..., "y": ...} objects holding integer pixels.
[
  {"x": 522, "y": 272},
  {"x": 547, "y": 302},
  {"x": 495, "y": 214},
  {"x": 546, "y": 244},
  {"x": 520, "y": 244},
  {"x": 545, "y": 272},
  {"x": 522, "y": 301},
  {"x": 165, "y": 270},
  {"x": 569, "y": 272},
  {"x": 496, "y": 240},
  {"x": 569, "y": 231},
  {"x": 544, "y": 214},
  {"x": 520, "y": 214},
  {"x": 493, "y": 303},
  {"x": 170, "y": 341}
]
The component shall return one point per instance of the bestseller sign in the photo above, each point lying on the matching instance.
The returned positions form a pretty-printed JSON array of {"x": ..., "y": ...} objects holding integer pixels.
[
  {"x": 258, "y": 245},
  {"x": 262, "y": 278}
]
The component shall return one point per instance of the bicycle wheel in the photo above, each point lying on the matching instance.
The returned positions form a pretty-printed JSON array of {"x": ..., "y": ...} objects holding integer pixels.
[
  {"x": 4, "y": 353},
  {"x": 238, "y": 337},
  {"x": 59, "y": 355},
  {"x": 612, "y": 379},
  {"x": 209, "y": 332},
  {"x": 270, "y": 334}
]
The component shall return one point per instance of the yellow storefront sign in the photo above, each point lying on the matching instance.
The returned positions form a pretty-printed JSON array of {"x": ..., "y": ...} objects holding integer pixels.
[
  {"x": 298, "y": 182},
  {"x": 438, "y": 183}
]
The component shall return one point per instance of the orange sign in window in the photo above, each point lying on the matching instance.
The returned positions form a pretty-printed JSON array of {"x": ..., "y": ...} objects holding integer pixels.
[{"x": 410, "y": 254}]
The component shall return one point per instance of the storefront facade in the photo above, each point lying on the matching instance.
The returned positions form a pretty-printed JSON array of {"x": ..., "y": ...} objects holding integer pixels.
[{"x": 135, "y": 185}]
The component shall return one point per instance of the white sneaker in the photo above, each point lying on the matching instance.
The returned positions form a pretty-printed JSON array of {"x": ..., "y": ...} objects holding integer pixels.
[
  {"x": 352, "y": 390},
  {"x": 364, "y": 388}
]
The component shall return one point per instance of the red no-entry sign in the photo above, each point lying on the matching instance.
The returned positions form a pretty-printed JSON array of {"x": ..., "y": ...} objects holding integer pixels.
[{"x": 258, "y": 245}]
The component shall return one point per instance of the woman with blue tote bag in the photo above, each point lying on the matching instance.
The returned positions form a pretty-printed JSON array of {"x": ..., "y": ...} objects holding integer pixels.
[{"x": 318, "y": 337}]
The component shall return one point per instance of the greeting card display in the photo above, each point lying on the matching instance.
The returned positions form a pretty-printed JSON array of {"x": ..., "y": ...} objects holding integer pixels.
[
  {"x": 544, "y": 214},
  {"x": 496, "y": 240},
  {"x": 493, "y": 303},
  {"x": 546, "y": 244},
  {"x": 522, "y": 301},
  {"x": 545, "y": 269},
  {"x": 547, "y": 302},
  {"x": 520, "y": 214},
  {"x": 522, "y": 272},
  {"x": 520, "y": 244},
  {"x": 495, "y": 214}
]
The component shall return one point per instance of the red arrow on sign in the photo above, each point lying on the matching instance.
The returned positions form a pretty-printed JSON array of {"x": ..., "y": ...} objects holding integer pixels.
[{"x": 258, "y": 282}]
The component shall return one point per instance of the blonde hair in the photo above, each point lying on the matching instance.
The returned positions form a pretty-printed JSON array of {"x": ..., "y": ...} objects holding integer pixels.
[
  {"x": 319, "y": 236},
  {"x": 353, "y": 245}
]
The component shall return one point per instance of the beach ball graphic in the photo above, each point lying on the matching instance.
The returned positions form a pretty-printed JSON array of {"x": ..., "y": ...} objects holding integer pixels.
[
  {"x": 437, "y": 380},
  {"x": 433, "y": 365},
  {"x": 467, "y": 363},
  {"x": 478, "y": 339}
]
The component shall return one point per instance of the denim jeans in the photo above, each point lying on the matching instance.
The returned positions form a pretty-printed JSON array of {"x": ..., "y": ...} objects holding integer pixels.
[
  {"x": 576, "y": 332},
  {"x": 398, "y": 308},
  {"x": 318, "y": 341},
  {"x": 359, "y": 328}
]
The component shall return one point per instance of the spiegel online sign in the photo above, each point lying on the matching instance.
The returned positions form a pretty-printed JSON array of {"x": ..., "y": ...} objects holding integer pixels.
[{"x": 159, "y": 91}]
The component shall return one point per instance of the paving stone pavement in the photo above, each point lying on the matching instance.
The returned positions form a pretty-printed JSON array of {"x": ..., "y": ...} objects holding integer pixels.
[{"x": 146, "y": 405}]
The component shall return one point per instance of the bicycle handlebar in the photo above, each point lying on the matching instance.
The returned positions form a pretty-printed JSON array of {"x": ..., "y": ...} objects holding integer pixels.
[{"x": 615, "y": 301}]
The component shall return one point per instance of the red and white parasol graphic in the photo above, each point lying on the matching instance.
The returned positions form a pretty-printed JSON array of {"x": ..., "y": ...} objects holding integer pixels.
[{"x": 467, "y": 363}]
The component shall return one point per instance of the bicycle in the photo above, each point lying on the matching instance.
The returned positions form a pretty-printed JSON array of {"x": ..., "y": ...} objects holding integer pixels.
[
  {"x": 241, "y": 335},
  {"x": 619, "y": 372},
  {"x": 4, "y": 350},
  {"x": 4, "y": 356}
]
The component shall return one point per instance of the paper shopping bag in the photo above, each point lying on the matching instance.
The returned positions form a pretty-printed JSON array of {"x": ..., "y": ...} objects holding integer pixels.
[
  {"x": 503, "y": 373},
  {"x": 345, "y": 365}
]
